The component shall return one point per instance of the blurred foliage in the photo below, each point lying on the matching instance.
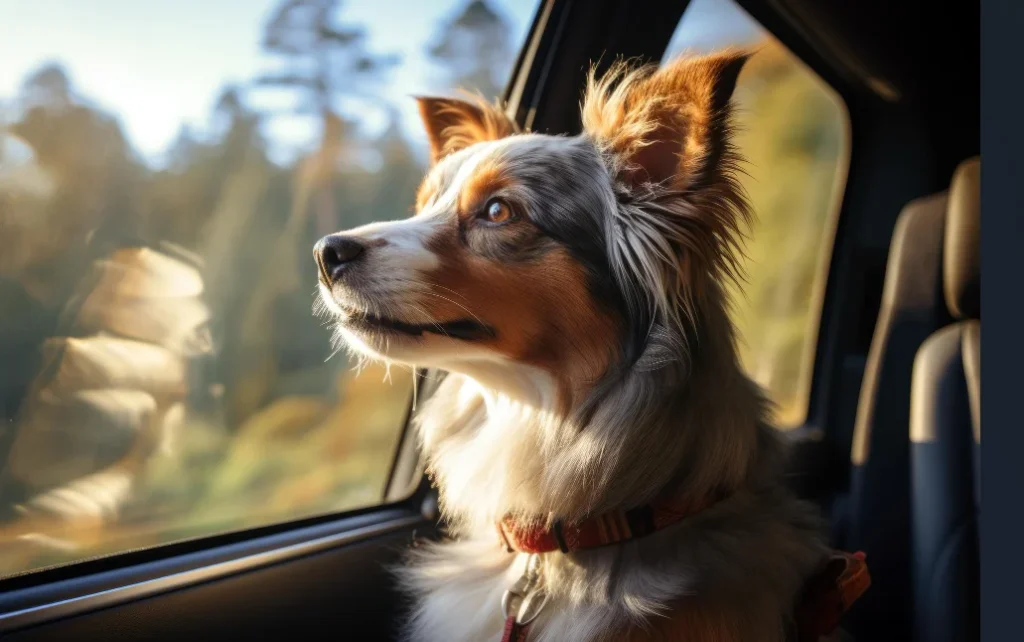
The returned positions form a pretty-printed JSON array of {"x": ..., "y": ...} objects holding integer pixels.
[
  {"x": 791, "y": 133},
  {"x": 273, "y": 432}
]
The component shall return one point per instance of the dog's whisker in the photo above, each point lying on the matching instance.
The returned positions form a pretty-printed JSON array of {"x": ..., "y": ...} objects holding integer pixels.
[
  {"x": 456, "y": 303},
  {"x": 437, "y": 325},
  {"x": 437, "y": 285}
]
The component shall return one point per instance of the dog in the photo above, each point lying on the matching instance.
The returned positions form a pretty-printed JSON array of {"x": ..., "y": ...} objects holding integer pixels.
[{"x": 604, "y": 466}]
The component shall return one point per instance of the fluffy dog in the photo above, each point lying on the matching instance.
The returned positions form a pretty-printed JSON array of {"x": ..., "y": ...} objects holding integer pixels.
[{"x": 605, "y": 466}]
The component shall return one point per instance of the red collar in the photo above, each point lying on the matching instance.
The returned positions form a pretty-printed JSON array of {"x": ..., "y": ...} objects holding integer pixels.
[
  {"x": 608, "y": 528},
  {"x": 827, "y": 595}
]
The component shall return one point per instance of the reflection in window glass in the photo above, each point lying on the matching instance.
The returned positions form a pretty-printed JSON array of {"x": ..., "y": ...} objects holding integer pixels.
[
  {"x": 792, "y": 130},
  {"x": 165, "y": 169}
]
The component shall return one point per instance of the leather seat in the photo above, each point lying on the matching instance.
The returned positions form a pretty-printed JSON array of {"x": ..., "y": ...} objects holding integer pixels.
[
  {"x": 945, "y": 436},
  {"x": 912, "y": 308}
]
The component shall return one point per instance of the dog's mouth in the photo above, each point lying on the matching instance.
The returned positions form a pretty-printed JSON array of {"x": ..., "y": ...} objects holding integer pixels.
[{"x": 463, "y": 329}]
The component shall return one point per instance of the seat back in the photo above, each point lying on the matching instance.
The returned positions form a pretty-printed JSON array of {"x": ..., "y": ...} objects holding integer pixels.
[
  {"x": 912, "y": 308},
  {"x": 945, "y": 436}
]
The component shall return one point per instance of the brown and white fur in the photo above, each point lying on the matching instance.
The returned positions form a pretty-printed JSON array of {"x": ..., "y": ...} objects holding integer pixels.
[{"x": 591, "y": 359}]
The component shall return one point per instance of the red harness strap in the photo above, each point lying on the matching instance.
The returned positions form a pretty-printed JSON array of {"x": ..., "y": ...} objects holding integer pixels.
[
  {"x": 514, "y": 632},
  {"x": 829, "y": 594}
]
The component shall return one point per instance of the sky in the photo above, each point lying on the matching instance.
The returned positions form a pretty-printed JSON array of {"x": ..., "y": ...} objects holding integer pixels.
[{"x": 160, "y": 64}]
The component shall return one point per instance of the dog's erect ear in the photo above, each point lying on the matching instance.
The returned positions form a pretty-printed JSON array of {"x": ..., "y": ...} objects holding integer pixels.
[
  {"x": 669, "y": 126},
  {"x": 453, "y": 124},
  {"x": 665, "y": 136}
]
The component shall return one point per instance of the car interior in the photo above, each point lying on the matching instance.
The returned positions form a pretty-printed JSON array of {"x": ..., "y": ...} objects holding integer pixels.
[{"x": 886, "y": 433}]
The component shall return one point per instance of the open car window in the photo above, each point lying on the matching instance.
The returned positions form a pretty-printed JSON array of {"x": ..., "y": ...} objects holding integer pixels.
[
  {"x": 165, "y": 168},
  {"x": 793, "y": 131}
]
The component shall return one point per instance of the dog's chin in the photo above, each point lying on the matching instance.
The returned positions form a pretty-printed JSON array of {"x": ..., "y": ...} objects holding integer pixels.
[
  {"x": 380, "y": 346},
  {"x": 404, "y": 339}
]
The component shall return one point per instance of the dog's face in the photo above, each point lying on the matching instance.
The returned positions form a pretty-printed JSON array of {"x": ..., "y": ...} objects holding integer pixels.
[
  {"x": 500, "y": 263},
  {"x": 545, "y": 254}
]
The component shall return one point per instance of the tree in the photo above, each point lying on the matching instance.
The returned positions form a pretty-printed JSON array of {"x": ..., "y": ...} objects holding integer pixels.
[
  {"x": 475, "y": 48},
  {"x": 241, "y": 136},
  {"x": 98, "y": 179},
  {"x": 48, "y": 86},
  {"x": 185, "y": 195},
  {"x": 323, "y": 61}
]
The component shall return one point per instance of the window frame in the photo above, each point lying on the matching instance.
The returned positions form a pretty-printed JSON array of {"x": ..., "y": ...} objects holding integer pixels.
[{"x": 841, "y": 76}]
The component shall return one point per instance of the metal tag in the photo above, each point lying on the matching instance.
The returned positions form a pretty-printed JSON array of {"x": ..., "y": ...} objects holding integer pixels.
[
  {"x": 526, "y": 598},
  {"x": 531, "y": 606}
]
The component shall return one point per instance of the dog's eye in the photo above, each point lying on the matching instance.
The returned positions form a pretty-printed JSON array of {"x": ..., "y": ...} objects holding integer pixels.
[{"x": 497, "y": 211}]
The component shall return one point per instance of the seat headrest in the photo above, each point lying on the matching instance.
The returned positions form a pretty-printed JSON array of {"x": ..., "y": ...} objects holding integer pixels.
[{"x": 961, "y": 269}]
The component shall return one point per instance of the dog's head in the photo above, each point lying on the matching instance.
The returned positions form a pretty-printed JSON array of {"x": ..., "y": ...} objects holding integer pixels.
[{"x": 553, "y": 257}]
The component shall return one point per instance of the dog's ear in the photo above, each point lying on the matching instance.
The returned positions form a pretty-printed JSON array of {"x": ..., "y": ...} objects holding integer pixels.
[
  {"x": 669, "y": 126},
  {"x": 453, "y": 124},
  {"x": 665, "y": 136}
]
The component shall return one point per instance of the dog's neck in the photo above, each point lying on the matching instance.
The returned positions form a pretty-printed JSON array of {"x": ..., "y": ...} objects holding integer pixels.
[{"x": 684, "y": 424}]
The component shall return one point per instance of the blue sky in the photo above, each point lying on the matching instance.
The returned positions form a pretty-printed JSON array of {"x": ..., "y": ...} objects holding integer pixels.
[{"x": 160, "y": 64}]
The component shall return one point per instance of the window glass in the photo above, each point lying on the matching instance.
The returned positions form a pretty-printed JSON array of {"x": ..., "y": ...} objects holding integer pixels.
[
  {"x": 792, "y": 129},
  {"x": 165, "y": 168}
]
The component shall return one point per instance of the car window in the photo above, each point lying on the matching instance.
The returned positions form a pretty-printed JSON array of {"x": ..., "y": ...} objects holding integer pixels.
[
  {"x": 792, "y": 128},
  {"x": 165, "y": 168}
]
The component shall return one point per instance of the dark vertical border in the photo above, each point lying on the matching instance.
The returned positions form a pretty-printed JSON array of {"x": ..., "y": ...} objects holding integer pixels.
[{"x": 1002, "y": 240}]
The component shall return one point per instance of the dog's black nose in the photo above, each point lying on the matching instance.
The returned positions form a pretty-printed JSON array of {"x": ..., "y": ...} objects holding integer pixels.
[{"x": 333, "y": 253}]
